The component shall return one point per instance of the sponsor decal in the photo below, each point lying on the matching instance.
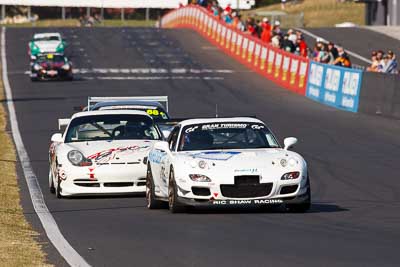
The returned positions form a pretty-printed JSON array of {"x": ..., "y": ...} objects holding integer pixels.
[
  {"x": 248, "y": 202},
  {"x": 257, "y": 127},
  {"x": 248, "y": 170},
  {"x": 110, "y": 154},
  {"x": 224, "y": 126},
  {"x": 215, "y": 155},
  {"x": 156, "y": 156}
]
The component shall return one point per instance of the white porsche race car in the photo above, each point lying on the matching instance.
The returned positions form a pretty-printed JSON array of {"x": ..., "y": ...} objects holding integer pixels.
[
  {"x": 102, "y": 152},
  {"x": 226, "y": 162}
]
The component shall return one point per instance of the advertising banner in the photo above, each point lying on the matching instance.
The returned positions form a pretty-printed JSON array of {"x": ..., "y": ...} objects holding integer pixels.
[{"x": 334, "y": 86}]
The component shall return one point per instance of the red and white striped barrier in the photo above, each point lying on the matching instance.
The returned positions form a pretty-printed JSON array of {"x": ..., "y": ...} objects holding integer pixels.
[{"x": 286, "y": 69}]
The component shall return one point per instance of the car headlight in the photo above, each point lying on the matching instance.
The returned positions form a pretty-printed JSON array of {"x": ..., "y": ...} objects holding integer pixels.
[
  {"x": 78, "y": 159},
  {"x": 37, "y": 67},
  {"x": 66, "y": 66},
  {"x": 199, "y": 178},
  {"x": 35, "y": 49},
  {"x": 290, "y": 176}
]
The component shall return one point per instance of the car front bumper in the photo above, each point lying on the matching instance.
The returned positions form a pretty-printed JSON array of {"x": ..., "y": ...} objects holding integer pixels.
[{"x": 123, "y": 179}]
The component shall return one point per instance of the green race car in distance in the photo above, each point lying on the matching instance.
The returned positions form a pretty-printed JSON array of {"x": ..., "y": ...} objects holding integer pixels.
[{"x": 43, "y": 43}]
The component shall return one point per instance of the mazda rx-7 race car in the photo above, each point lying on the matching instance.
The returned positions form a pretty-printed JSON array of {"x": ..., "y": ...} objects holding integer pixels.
[
  {"x": 226, "y": 162},
  {"x": 101, "y": 152},
  {"x": 43, "y": 43}
]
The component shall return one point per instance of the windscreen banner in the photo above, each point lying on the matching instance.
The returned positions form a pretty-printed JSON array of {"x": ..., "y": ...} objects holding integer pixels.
[{"x": 334, "y": 86}]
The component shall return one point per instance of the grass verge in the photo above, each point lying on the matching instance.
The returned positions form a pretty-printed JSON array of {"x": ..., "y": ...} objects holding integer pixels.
[
  {"x": 322, "y": 13},
  {"x": 75, "y": 23},
  {"x": 18, "y": 246}
]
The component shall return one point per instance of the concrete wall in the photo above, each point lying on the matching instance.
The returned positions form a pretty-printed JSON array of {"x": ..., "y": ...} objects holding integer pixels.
[{"x": 382, "y": 12}]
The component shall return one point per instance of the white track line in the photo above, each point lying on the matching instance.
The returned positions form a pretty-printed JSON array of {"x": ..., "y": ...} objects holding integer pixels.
[
  {"x": 366, "y": 60},
  {"x": 153, "y": 78},
  {"x": 49, "y": 224}
]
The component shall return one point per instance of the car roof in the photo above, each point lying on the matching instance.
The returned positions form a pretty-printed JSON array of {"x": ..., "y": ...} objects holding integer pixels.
[
  {"x": 46, "y": 34},
  {"x": 219, "y": 120},
  {"x": 110, "y": 112},
  {"x": 127, "y": 103}
]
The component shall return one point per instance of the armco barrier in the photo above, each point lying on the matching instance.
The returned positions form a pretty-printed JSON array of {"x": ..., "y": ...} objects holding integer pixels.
[
  {"x": 334, "y": 86},
  {"x": 288, "y": 70},
  {"x": 380, "y": 95}
]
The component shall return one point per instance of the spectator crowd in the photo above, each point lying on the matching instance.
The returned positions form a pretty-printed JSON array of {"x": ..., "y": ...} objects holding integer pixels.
[
  {"x": 383, "y": 62},
  {"x": 292, "y": 41}
]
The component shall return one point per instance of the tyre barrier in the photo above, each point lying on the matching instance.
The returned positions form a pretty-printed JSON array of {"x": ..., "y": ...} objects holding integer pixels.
[{"x": 339, "y": 87}]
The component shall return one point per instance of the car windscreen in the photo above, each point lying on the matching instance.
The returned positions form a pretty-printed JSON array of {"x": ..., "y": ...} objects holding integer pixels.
[
  {"x": 112, "y": 127},
  {"x": 226, "y": 135},
  {"x": 47, "y": 38},
  {"x": 157, "y": 113}
]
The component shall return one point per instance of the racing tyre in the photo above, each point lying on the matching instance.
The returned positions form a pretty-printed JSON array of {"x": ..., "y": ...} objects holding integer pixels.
[
  {"x": 58, "y": 188},
  {"x": 152, "y": 202},
  {"x": 51, "y": 182},
  {"x": 173, "y": 204},
  {"x": 305, "y": 205}
]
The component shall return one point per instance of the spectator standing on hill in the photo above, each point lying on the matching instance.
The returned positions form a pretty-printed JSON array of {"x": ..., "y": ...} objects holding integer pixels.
[
  {"x": 277, "y": 28},
  {"x": 302, "y": 45},
  {"x": 390, "y": 63},
  {"x": 375, "y": 62},
  {"x": 287, "y": 45},
  {"x": 292, "y": 36},
  {"x": 343, "y": 59},
  {"x": 276, "y": 40},
  {"x": 266, "y": 31},
  {"x": 227, "y": 17},
  {"x": 251, "y": 27},
  {"x": 333, "y": 50},
  {"x": 202, "y": 3}
]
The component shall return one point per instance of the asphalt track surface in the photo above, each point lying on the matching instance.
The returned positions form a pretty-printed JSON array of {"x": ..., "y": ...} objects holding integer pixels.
[
  {"x": 358, "y": 40},
  {"x": 353, "y": 161}
]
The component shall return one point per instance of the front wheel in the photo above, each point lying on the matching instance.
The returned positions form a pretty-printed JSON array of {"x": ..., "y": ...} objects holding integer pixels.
[
  {"x": 58, "y": 188},
  {"x": 303, "y": 206},
  {"x": 173, "y": 204},
  {"x": 51, "y": 182},
  {"x": 152, "y": 202}
]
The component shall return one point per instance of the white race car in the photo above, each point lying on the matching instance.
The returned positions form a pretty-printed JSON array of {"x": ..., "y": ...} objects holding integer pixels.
[
  {"x": 226, "y": 162},
  {"x": 43, "y": 43},
  {"x": 102, "y": 152}
]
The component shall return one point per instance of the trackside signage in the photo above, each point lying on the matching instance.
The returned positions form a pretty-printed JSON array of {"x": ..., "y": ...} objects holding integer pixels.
[{"x": 334, "y": 86}]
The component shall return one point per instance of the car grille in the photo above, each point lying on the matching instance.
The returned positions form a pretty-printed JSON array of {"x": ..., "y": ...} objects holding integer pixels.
[
  {"x": 246, "y": 190},
  {"x": 247, "y": 179},
  {"x": 201, "y": 191},
  {"x": 288, "y": 189}
]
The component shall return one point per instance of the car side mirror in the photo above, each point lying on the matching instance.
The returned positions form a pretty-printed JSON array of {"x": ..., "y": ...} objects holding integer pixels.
[
  {"x": 57, "y": 138},
  {"x": 289, "y": 142},
  {"x": 162, "y": 146}
]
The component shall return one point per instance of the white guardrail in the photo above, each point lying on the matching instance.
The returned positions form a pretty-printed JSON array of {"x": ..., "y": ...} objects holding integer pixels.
[
  {"x": 99, "y": 3},
  {"x": 243, "y": 4}
]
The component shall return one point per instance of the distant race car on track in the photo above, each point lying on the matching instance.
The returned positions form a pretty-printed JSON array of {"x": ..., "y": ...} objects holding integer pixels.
[
  {"x": 101, "y": 152},
  {"x": 43, "y": 43},
  {"x": 155, "y": 106},
  {"x": 51, "y": 66},
  {"x": 226, "y": 162}
]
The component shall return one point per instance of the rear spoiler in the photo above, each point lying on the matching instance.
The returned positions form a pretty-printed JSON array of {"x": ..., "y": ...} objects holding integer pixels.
[
  {"x": 93, "y": 99},
  {"x": 63, "y": 123}
]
